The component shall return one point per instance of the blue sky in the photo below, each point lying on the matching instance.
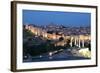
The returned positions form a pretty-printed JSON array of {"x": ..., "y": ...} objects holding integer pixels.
[{"x": 60, "y": 18}]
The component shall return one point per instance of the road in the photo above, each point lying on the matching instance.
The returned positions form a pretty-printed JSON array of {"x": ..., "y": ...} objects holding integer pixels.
[{"x": 58, "y": 56}]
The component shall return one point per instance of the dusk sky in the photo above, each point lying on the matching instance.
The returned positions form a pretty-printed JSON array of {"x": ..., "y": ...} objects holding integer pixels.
[{"x": 55, "y": 17}]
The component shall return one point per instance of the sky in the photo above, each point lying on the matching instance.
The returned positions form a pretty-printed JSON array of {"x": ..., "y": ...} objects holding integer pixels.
[{"x": 56, "y": 17}]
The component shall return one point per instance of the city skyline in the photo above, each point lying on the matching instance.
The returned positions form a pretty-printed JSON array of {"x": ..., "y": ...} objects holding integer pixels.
[{"x": 46, "y": 17}]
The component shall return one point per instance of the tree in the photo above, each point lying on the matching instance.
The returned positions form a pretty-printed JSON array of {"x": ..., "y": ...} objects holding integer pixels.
[{"x": 61, "y": 39}]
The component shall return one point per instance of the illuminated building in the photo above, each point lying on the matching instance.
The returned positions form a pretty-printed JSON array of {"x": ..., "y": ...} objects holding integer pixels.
[{"x": 77, "y": 39}]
